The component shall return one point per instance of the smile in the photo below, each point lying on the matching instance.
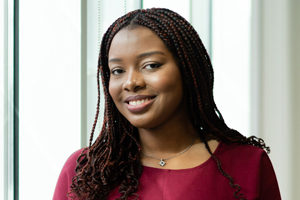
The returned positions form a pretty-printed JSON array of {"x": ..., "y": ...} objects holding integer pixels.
[{"x": 139, "y": 104}]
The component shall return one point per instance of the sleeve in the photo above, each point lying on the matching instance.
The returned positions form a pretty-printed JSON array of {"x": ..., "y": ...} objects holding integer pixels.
[
  {"x": 65, "y": 178},
  {"x": 269, "y": 189}
]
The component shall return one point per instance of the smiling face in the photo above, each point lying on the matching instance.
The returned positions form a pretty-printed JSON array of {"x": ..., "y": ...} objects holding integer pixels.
[{"x": 145, "y": 82}]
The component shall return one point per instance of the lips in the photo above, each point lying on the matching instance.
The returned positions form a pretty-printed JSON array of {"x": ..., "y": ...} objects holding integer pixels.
[{"x": 139, "y": 103}]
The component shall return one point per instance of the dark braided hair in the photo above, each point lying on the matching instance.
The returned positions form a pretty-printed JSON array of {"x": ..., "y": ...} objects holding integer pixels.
[{"x": 114, "y": 158}]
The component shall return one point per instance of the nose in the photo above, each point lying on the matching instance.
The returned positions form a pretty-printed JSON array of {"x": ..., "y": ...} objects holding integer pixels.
[{"x": 134, "y": 81}]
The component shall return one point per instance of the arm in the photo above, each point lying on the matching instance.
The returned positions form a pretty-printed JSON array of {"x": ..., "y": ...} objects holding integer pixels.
[{"x": 269, "y": 189}]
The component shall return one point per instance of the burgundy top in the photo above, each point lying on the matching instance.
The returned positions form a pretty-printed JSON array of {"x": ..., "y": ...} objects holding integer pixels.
[{"x": 249, "y": 166}]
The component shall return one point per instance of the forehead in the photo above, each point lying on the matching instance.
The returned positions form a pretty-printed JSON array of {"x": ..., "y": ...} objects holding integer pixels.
[{"x": 135, "y": 41}]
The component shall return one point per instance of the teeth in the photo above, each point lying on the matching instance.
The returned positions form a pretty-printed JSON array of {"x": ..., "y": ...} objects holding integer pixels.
[{"x": 138, "y": 102}]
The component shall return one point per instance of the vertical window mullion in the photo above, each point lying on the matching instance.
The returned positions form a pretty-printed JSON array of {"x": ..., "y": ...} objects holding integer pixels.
[
  {"x": 10, "y": 100},
  {"x": 16, "y": 100},
  {"x": 83, "y": 75}
]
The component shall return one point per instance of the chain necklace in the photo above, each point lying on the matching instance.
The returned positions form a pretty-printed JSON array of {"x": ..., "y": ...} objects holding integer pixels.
[{"x": 162, "y": 161}]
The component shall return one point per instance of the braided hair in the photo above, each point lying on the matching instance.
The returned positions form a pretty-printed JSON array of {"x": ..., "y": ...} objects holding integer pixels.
[{"x": 114, "y": 158}]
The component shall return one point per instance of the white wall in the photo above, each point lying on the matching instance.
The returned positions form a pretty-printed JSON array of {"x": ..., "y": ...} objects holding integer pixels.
[
  {"x": 276, "y": 66},
  {"x": 295, "y": 95}
]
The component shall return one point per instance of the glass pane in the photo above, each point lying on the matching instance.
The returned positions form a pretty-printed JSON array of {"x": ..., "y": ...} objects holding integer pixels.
[
  {"x": 2, "y": 97},
  {"x": 230, "y": 56},
  {"x": 49, "y": 92},
  {"x": 179, "y": 6},
  {"x": 100, "y": 17}
]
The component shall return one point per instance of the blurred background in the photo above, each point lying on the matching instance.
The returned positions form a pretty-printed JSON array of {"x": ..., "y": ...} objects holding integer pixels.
[{"x": 48, "y": 60}]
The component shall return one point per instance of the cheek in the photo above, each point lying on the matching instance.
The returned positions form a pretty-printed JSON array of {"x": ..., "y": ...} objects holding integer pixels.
[
  {"x": 114, "y": 90},
  {"x": 167, "y": 83}
]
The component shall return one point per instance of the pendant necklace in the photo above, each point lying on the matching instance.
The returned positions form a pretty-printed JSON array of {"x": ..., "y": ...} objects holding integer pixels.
[{"x": 163, "y": 161}]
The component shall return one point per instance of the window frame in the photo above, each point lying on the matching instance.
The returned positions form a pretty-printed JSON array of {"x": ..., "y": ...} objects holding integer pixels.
[{"x": 11, "y": 101}]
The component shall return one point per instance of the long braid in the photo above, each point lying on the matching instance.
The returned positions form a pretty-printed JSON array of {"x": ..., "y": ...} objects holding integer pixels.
[{"x": 101, "y": 168}]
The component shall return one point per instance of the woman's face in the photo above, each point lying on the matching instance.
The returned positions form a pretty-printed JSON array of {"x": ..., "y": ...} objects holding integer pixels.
[{"x": 145, "y": 82}]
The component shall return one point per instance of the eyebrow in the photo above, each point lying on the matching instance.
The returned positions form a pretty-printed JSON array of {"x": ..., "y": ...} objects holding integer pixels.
[{"x": 143, "y": 55}]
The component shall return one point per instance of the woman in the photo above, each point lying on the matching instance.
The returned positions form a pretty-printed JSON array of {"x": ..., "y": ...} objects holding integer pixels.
[{"x": 163, "y": 136}]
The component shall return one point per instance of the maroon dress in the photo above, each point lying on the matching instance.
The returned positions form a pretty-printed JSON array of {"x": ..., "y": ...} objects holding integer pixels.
[{"x": 249, "y": 166}]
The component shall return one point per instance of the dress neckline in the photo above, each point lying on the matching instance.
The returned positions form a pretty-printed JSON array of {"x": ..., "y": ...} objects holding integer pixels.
[{"x": 210, "y": 159}]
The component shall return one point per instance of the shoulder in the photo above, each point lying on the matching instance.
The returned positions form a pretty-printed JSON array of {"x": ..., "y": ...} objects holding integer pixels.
[
  {"x": 240, "y": 158},
  {"x": 71, "y": 162},
  {"x": 240, "y": 151},
  {"x": 251, "y": 167},
  {"x": 66, "y": 175}
]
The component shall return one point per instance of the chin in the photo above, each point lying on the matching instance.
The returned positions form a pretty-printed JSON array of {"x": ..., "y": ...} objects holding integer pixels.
[{"x": 144, "y": 124}]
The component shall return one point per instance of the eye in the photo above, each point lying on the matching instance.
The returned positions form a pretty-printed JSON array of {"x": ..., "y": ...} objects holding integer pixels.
[
  {"x": 116, "y": 71},
  {"x": 152, "y": 66}
]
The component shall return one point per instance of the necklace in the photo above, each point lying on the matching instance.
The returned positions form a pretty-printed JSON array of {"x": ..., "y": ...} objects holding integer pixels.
[{"x": 163, "y": 161}]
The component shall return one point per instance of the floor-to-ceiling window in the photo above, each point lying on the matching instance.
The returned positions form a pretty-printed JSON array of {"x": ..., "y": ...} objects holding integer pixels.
[
  {"x": 230, "y": 36},
  {"x": 52, "y": 108},
  {"x": 49, "y": 92}
]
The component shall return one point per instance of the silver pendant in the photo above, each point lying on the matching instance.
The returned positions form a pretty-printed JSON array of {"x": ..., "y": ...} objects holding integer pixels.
[{"x": 162, "y": 162}]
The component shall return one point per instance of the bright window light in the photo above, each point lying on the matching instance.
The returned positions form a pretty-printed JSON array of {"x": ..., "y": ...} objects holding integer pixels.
[
  {"x": 179, "y": 6},
  {"x": 231, "y": 57},
  {"x": 2, "y": 97},
  {"x": 49, "y": 92}
]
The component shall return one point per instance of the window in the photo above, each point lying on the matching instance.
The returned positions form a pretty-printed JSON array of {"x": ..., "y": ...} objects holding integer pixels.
[
  {"x": 49, "y": 94},
  {"x": 224, "y": 28},
  {"x": 101, "y": 14},
  {"x": 2, "y": 100},
  {"x": 181, "y": 7},
  {"x": 6, "y": 99},
  {"x": 58, "y": 51},
  {"x": 231, "y": 22}
]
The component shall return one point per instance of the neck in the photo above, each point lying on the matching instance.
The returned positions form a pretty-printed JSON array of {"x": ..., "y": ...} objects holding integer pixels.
[{"x": 169, "y": 138}]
